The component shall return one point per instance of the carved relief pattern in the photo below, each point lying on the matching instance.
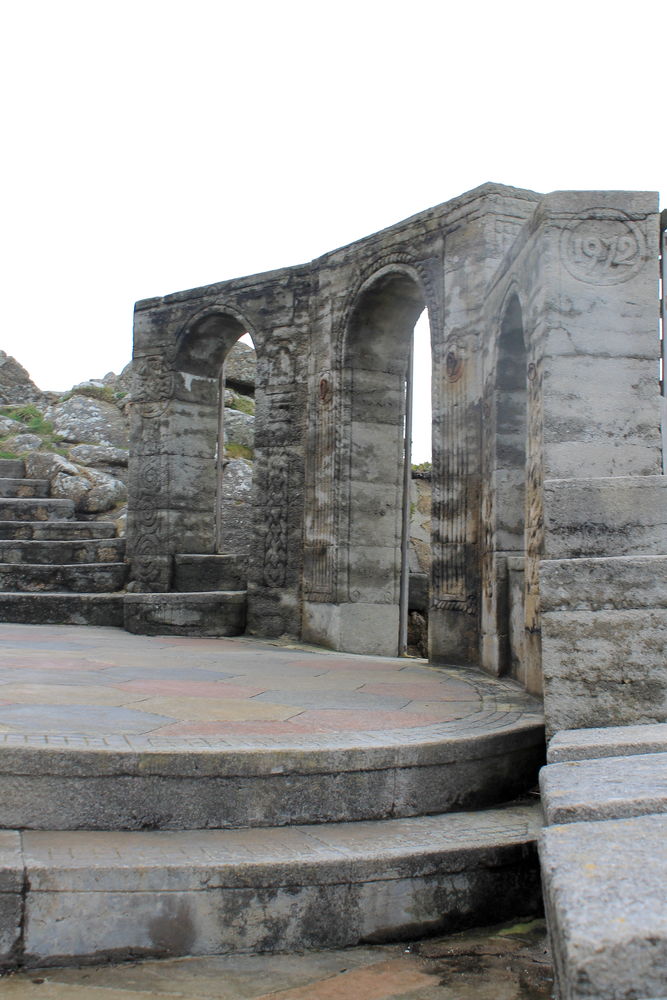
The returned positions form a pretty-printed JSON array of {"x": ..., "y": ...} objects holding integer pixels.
[
  {"x": 319, "y": 576},
  {"x": 605, "y": 248},
  {"x": 450, "y": 486},
  {"x": 534, "y": 498},
  {"x": 275, "y": 546},
  {"x": 153, "y": 387}
]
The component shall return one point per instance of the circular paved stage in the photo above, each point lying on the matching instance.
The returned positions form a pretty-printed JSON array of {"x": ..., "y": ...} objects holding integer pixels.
[{"x": 80, "y": 685}]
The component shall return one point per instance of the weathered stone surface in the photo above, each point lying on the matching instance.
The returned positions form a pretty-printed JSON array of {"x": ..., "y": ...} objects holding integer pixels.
[
  {"x": 625, "y": 515},
  {"x": 56, "y": 530},
  {"x": 609, "y": 788},
  {"x": 604, "y": 584},
  {"x": 93, "y": 492},
  {"x": 79, "y": 578},
  {"x": 16, "y": 386},
  {"x": 11, "y": 891},
  {"x": 48, "y": 465},
  {"x": 613, "y": 741},
  {"x": 90, "y": 550},
  {"x": 46, "y": 509},
  {"x": 24, "y": 487},
  {"x": 62, "y": 609},
  {"x": 214, "y": 613},
  {"x": 98, "y": 454},
  {"x": 12, "y": 468},
  {"x": 313, "y": 887},
  {"x": 20, "y": 443},
  {"x": 209, "y": 572},
  {"x": 606, "y": 906},
  {"x": 89, "y": 421}
]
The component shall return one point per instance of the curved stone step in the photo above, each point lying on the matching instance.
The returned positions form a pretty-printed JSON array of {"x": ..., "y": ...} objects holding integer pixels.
[
  {"x": 172, "y": 783},
  {"x": 62, "y": 609},
  {"x": 103, "y": 895},
  {"x": 10, "y": 487},
  {"x": 77, "y": 578},
  {"x": 56, "y": 530},
  {"x": 212, "y": 613},
  {"x": 12, "y": 468},
  {"x": 95, "y": 550},
  {"x": 14, "y": 509},
  {"x": 197, "y": 573}
]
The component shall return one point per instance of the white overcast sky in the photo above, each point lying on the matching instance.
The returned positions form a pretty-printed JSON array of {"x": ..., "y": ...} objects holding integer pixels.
[{"x": 153, "y": 146}]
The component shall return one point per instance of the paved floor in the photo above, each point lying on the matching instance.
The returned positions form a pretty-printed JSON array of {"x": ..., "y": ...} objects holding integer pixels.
[
  {"x": 502, "y": 963},
  {"x": 67, "y": 683}
]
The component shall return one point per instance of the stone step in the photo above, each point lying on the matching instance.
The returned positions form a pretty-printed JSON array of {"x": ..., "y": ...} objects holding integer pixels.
[
  {"x": 13, "y": 468},
  {"x": 94, "y": 550},
  {"x": 77, "y": 578},
  {"x": 604, "y": 895},
  {"x": 212, "y": 613},
  {"x": 56, "y": 530},
  {"x": 83, "y": 896},
  {"x": 608, "y": 788},
  {"x": 13, "y": 509},
  {"x": 197, "y": 573},
  {"x": 62, "y": 609},
  {"x": 24, "y": 487},
  {"x": 171, "y": 782}
]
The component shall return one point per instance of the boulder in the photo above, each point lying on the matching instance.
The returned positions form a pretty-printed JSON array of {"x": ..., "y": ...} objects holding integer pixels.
[
  {"x": 98, "y": 454},
  {"x": 92, "y": 491},
  {"x": 23, "y": 442},
  {"x": 240, "y": 365},
  {"x": 236, "y": 506},
  {"x": 239, "y": 428},
  {"x": 81, "y": 419},
  {"x": 48, "y": 465},
  {"x": 16, "y": 386}
]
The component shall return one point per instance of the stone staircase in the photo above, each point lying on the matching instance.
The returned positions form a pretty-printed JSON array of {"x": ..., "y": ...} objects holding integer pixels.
[
  {"x": 114, "y": 847},
  {"x": 53, "y": 569},
  {"x": 209, "y": 598}
]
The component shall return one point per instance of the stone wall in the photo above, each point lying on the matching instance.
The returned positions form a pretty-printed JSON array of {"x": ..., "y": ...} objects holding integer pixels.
[{"x": 544, "y": 338}]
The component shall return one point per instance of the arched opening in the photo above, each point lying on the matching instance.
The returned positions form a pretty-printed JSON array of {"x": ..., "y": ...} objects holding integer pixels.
[
  {"x": 219, "y": 440},
  {"x": 378, "y": 372},
  {"x": 511, "y": 404}
]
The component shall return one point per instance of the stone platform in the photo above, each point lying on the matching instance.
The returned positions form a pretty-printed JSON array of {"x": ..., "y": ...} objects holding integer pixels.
[{"x": 170, "y": 795}]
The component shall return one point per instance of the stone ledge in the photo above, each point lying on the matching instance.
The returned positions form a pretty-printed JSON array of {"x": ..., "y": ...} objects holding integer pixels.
[
  {"x": 613, "y": 583},
  {"x": 609, "y": 788},
  {"x": 614, "y": 741}
]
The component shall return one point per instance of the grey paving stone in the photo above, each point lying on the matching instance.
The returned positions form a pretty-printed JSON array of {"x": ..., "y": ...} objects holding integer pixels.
[
  {"x": 604, "y": 890},
  {"x": 80, "y": 719},
  {"x": 614, "y": 741},
  {"x": 605, "y": 788}
]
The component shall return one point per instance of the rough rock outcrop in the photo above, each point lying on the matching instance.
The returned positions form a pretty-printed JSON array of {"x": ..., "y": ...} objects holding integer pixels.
[{"x": 16, "y": 386}]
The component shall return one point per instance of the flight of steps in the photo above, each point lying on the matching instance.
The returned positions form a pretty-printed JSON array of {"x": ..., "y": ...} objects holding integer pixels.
[
  {"x": 209, "y": 598},
  {"x": 113, "y": 851},
  {"x": 53, "y": 569}
]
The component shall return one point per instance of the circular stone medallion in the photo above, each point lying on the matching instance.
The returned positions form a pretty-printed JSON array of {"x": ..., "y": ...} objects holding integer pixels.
[{"x": 604, "y": 249}]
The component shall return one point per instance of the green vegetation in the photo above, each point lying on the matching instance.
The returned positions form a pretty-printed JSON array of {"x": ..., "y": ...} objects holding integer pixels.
[
  {"x": 104, "y": 393},
  {"x": 422, "y": 467},
  {"x": 242, "y": 403},
  {"x": 8, "y": 454},
  {"x": 239, "y": 451},
  {"x": 31, "y": 421}
]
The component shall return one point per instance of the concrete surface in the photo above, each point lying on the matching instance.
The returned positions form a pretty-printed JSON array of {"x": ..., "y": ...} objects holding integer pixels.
[{"x": 500, "y": 963}]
